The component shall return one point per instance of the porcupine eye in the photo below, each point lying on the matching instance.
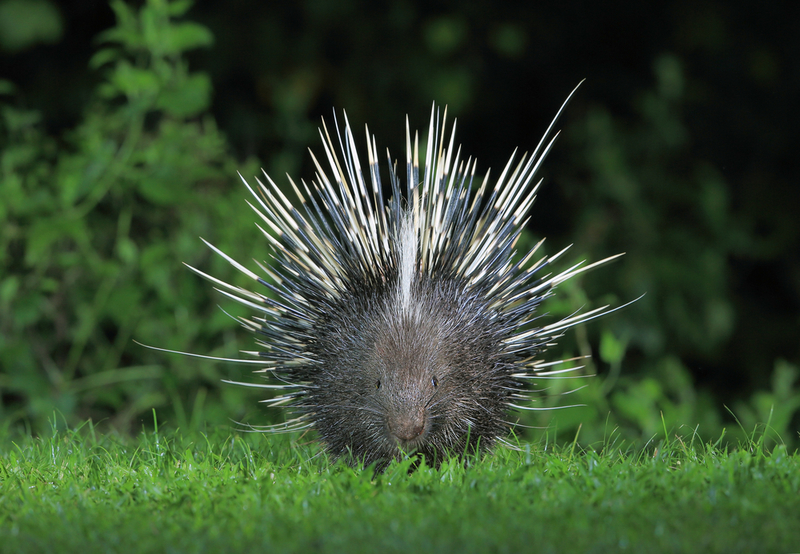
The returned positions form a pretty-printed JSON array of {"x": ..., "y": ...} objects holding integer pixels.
[
  {"x": 377, "y": 384},
  {"x": 434, "y": 382}
]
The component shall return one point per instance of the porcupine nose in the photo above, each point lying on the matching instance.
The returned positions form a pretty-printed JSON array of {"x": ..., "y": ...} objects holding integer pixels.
[{"x": 409, "y": 427}]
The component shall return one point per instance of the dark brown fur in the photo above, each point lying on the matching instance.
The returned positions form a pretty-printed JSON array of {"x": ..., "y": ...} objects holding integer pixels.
[{"x": 393, "y": 383}]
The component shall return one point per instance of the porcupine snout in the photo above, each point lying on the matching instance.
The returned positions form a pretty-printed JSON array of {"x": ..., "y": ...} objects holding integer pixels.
[
  {"x": 408, "y": 383},
  {"x": 407, "y": 425}
]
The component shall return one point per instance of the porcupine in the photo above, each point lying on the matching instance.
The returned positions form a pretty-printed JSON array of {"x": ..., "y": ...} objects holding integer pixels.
[{"x": 406, "y": 326}]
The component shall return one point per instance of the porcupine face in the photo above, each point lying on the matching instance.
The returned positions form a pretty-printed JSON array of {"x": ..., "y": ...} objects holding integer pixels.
[{"x": 428, "y": 377}]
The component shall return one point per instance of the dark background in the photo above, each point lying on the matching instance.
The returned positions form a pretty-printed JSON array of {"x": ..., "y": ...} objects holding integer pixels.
[{"x": 678, "y": 148}]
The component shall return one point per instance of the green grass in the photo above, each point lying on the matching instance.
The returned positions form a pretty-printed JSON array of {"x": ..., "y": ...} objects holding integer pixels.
[{"x": 81, "y": 491}]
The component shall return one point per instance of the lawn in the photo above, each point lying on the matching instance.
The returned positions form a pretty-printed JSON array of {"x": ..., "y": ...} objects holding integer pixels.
[{"x": 223, "y": 491}]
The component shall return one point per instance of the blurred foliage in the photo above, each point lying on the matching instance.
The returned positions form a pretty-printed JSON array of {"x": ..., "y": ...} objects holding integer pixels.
[
  {"x": 95, "y": 223},
  {"x": 675, "y": 222},
  {"x": 27, "y": 22},
  {"x": 101, "y": 203}
]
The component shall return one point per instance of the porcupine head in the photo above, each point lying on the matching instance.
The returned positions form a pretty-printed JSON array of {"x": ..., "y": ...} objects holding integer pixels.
[{"x": 402, "y": 326}]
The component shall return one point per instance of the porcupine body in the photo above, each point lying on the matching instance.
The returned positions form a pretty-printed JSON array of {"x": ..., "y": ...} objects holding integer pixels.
[{"x": 407, "y": 325}]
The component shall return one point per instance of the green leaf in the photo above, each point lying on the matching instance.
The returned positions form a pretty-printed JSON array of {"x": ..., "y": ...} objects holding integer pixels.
[
  {"x": 187, "y": 36},
  {"x": 45, "y": 234},
  {"x": 8, "y": 290},
  {"x": 134, "y": 82},
  {"x": 179, "y": 7},
  {"x": 16, "y": 119},
  {"x": 7, "y": 87},
  {"x": 124, "y": 302},
  {"x": 126, "y": 20},
  {"x": 24, "y": 23},
  {"x": 104, "y": 56},
  {"x": 188, "y": 99},
  {"x": 612, "y": 350}
]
